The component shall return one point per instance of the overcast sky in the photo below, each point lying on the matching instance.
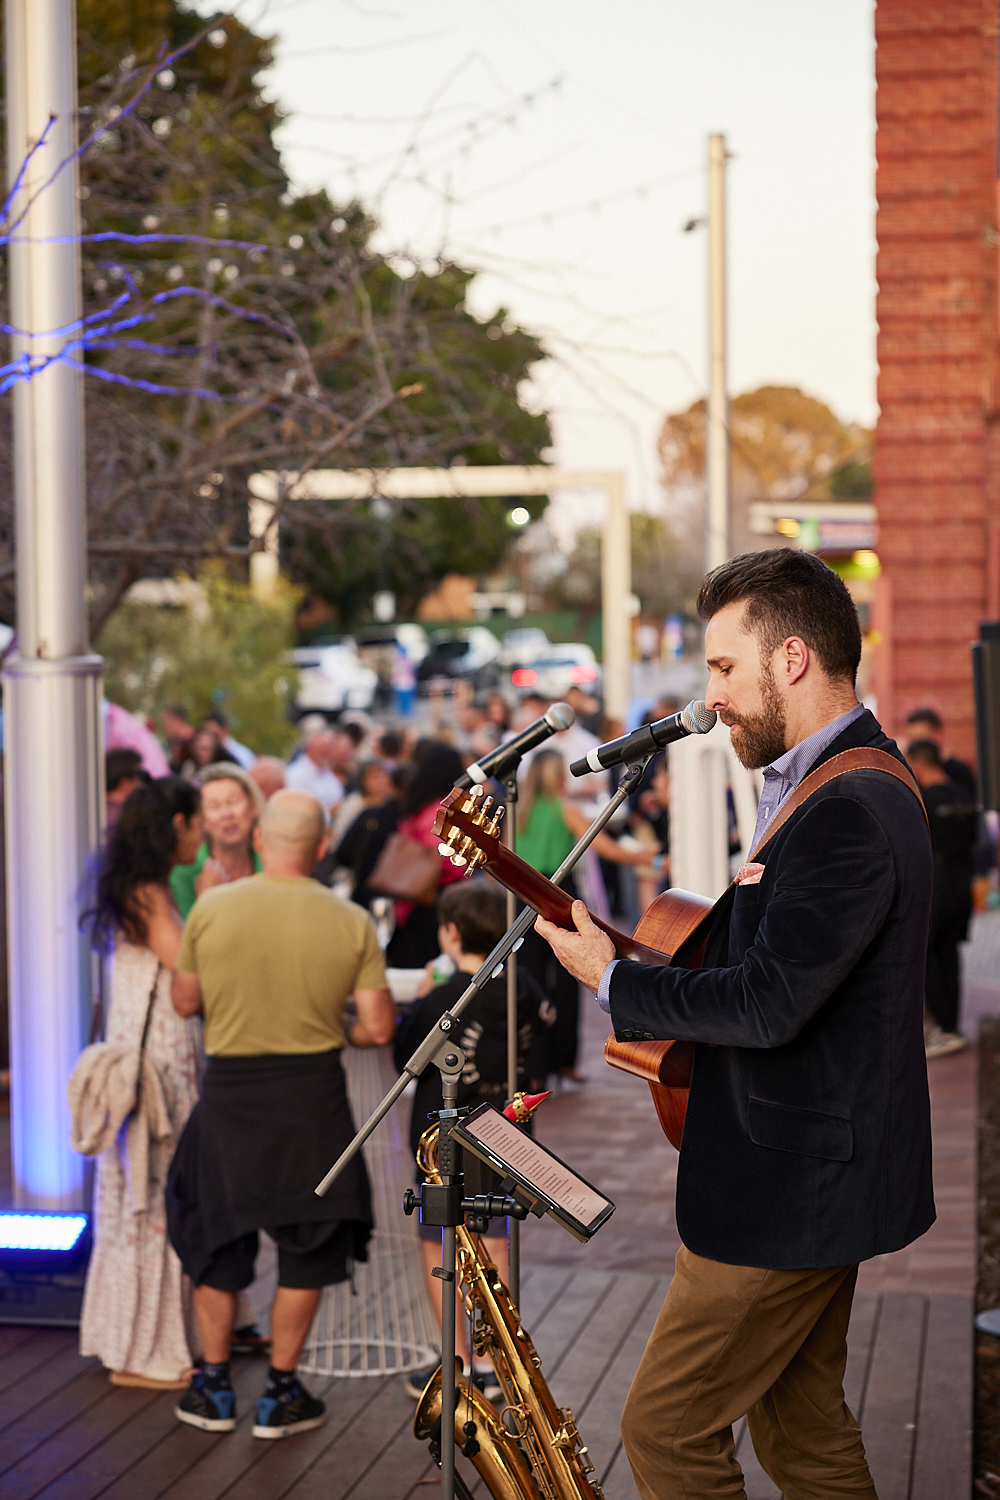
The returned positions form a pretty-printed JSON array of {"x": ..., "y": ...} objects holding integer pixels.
[{"x": 559, "y": 145}]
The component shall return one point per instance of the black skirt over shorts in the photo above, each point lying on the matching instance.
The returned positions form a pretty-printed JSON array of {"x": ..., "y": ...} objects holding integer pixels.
[{"x": 264, "y": 1133}]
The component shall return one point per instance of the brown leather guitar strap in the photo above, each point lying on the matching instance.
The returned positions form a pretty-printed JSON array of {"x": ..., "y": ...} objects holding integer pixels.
[{"x": 858, "y": 759}]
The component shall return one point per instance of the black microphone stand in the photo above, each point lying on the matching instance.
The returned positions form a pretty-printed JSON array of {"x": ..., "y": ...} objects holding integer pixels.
[
  {"x": 446, "y": 1200},
  {"x": 510, "y": 839}
]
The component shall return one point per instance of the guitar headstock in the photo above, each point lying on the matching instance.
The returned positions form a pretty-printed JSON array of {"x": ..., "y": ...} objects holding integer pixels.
[{"x": 468, "y": 824}]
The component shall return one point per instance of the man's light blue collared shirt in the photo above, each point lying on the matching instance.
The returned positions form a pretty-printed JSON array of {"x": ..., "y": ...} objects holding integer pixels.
[{"x": 780, "y": 780}]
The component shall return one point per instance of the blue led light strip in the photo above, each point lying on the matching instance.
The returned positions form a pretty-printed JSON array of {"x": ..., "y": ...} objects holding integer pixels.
[{"x": 41, "y": 1231}]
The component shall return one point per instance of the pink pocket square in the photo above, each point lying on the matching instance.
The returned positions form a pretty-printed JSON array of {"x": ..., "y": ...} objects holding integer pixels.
[{"x": 749, "y": 874}]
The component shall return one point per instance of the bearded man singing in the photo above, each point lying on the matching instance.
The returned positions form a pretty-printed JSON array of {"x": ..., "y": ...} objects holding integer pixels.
[{"x": 807, "y": 1145}]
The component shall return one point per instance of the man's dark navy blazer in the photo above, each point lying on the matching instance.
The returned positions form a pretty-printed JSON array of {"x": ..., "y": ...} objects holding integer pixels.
[{"x": 807, "y": 1140}]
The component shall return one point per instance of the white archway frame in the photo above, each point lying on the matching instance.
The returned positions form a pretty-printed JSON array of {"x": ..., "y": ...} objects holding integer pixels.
[{"x": 464, "y": 483}]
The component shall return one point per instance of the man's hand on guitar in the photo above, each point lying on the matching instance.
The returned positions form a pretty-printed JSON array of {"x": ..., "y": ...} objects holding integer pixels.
[{"x": 585, "y": 952}]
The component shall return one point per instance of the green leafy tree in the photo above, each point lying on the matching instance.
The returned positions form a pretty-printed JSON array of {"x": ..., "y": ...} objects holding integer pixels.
[
  {"x": 221, "y": 648},
  {"x": 343, "y": 361}
]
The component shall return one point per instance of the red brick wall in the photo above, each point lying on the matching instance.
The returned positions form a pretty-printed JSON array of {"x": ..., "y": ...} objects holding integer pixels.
[{"x": 937, "y": 449}]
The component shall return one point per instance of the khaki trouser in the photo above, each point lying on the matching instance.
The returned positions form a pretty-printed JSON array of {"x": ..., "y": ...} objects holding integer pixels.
[{"x": 731, "y": 1340}]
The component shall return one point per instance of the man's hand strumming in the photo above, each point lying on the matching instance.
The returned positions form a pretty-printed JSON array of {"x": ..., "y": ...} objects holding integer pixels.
[{"x": 586, "y": 952}]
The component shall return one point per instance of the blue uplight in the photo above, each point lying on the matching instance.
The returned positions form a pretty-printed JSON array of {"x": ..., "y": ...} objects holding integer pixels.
[{"x": 59, "y": 1232}]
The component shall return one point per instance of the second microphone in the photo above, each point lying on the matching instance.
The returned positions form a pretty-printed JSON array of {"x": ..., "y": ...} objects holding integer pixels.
[
  {"x": 694, "y": 719},
  {"x": 505, "y": 757}
]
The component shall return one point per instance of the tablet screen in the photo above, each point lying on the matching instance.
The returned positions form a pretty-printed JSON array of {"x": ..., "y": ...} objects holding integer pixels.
[{"x": 537, "y": 1167}]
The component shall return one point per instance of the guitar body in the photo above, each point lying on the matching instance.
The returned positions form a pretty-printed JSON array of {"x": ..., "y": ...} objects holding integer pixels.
[
  {"x": 673, "y": 930},
  {"x": 670, "y": 925}
]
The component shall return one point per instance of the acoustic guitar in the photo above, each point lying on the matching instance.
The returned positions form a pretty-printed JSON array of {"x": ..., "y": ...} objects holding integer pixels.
[{"x": 674, "y": 929}]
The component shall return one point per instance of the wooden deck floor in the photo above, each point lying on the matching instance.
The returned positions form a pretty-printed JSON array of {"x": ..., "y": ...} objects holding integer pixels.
[{"x": 66, "y": 1434}]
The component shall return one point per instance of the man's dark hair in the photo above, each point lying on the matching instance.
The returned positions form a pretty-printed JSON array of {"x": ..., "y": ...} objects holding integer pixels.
[
  {"x": 121, "y": 765},
  {"x": 217, "y": 717},
  {"x": 789, "y": 593},
  {"x": 926, "y": 716},
  {"x": 352, "y": 729},
  {"x": 926, "y": 752},
  {"x": 390, "y": 745},
  {"x": 478, "y": 909}
]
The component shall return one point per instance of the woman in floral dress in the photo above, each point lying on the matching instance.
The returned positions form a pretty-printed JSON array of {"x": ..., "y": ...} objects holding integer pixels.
[{"x": 136, "y": 1306}]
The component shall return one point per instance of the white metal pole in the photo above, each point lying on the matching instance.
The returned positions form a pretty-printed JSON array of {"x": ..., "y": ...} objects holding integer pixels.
[
  {"x": 52, "y": 688},
  {"x": 717, "y": 436},
  {"x": 616, "y": 591},
  {"x": 264, "y": 570}
]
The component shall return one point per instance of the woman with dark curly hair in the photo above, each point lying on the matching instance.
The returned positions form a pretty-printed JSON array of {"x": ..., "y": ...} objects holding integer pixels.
[{"x": 136, "y": 1309}]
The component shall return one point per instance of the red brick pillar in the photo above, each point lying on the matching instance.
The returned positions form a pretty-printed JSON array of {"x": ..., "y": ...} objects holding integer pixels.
[{"x": 937, "y": 447}]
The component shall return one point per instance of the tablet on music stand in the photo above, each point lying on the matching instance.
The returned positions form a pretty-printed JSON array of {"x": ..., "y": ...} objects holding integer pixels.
[{"x": 539, "y": 1175}]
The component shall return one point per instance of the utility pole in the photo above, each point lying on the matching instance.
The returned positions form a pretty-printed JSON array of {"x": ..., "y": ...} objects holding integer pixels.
[
  {"x": 717, "y": 428},
  {"x": 616, "y": 590},
  {"x": 52, "y": 688}
]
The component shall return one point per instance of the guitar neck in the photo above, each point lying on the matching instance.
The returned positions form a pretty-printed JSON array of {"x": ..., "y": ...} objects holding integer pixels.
[{"x": 552, "y": 903}]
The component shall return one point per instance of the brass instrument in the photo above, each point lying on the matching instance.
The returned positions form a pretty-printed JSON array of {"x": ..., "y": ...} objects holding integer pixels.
[{"x": 528, "y": 1448}]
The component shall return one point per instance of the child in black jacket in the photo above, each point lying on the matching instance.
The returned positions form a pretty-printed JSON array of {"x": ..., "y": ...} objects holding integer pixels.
[{"x": 473, "y": 918}]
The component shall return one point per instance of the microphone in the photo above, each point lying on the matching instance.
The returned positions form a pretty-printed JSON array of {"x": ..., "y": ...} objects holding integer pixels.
[
  {"x": 505, "y": 757},
  {"x": 695, "y": 719}
]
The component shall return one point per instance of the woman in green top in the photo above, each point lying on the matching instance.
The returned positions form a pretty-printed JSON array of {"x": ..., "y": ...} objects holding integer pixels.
[
  {"x": 548, "y": 825},
  {"x": 231, "y": 804}
]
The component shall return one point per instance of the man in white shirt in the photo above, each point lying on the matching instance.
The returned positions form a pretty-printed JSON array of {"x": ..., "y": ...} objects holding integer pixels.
[
  {"x": 310, "y": 771},
  {"x": 572, "y": 744},
  {"x": 242, "y": 754}
]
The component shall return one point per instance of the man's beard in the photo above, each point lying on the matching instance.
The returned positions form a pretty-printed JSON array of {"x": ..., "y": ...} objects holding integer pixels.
[{"x": 758, "y": 739}]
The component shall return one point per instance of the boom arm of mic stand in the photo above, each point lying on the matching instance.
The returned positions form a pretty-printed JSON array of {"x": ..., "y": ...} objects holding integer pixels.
[{"x": 425, "y": 1053}]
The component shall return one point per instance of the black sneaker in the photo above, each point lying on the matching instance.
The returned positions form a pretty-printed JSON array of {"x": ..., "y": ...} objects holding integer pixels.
[
  {"x": 417, "y": 1380},
  {"x": 212, "y": 1411},
  {"x": 297, "y": 1411}
]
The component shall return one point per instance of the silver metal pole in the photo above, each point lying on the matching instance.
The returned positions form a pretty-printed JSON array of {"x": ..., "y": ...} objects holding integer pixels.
[
  {"x": 717, "y": 444},
  {"x": 52, "y": 689},
  {"x": 616, "y": 590}
]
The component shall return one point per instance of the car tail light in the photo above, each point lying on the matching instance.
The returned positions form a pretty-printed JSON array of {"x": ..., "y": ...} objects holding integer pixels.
[
  {"x": 524, "y": 677},
  {"x": 582, "y": 674}
]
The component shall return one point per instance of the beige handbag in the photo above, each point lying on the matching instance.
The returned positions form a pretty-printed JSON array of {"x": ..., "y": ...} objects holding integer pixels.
[{"x": 407, "y": 870}]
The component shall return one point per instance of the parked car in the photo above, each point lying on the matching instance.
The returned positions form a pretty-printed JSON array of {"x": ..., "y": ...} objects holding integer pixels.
[
  {"x": 411, "y": 638},
  {"x": 331, "y": 678},
  {"x": 523, "y": 645},
  {"x": 471, "y": 655},
  {"x": 377, "y": 648},
  {"x": 562, "y": 667}
]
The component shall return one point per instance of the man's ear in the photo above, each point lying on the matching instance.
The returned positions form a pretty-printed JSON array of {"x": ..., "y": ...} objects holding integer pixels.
[
  {"x": 257, "y": 839},
  {"x": 323, "y": 845},
  {"x": 793, "y": 658}
]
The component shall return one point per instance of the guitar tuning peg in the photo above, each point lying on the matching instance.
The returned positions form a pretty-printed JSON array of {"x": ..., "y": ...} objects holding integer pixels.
[
  {"x": 477, "y": 791},
  {"x": 487, "y": 804},
  {"x": 498, "y": 815},
  {"x": 458, "y": 860},
  {"x": 444, "y": 850}
]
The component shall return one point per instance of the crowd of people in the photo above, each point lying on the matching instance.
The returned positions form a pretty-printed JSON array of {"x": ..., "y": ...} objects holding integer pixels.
[
  {"x": 238, "y": 882},
  {"x": 255, "y": 911}
]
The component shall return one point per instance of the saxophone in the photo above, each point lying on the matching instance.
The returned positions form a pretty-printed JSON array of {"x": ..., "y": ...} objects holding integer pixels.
[{"x": 529, "y": 1449}]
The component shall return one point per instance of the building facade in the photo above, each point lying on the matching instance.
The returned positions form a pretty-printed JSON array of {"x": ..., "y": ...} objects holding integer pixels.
[{"x": 937, "y": 447}]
